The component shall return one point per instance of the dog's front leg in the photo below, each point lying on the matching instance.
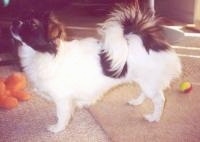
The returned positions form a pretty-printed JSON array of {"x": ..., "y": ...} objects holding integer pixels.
[{"x": 64, "y": 110}]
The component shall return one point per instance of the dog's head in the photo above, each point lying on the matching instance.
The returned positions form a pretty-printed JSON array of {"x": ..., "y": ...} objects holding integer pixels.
[{"x": 42, "y": 32}]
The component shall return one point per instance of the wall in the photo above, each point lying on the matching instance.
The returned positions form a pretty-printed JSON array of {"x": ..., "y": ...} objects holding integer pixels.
[
  {"x": 182, "y": 10},
  {"x": 197, "y": 14}
]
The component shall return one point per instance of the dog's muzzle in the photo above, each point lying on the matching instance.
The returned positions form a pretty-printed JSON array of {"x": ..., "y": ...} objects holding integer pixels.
[{"x": 16, "y": 26}]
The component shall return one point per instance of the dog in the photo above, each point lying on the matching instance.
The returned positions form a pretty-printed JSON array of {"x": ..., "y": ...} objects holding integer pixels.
[{"x": 77, "y": 73}]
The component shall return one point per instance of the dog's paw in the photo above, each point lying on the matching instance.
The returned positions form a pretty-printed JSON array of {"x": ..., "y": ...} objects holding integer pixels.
[
  {"x": 151, "y": 118},
  {"x": 55, "y": 128}
]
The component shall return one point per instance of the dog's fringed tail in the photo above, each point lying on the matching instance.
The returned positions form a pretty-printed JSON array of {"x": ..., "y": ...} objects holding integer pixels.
[
  {"x": 141, "y": 22},
  {"x": 128, "y": 19}
]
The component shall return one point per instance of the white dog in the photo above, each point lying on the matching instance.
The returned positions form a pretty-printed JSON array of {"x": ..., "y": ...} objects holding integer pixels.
[{"x": 78, "y": 72}]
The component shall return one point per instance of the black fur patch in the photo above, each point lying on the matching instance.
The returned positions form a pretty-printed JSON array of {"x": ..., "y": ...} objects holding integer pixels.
[
  {"x": 152, "y": 36},
  {"x": 33, "y": 31},
  {"x": 106, "y": 65}
]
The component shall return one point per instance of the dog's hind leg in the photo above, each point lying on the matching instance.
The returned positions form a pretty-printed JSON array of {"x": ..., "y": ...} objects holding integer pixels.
[
  {"x": 64, "y": 111},
  {"x": 139, "y": 100},
  {"x": 158, "y": 101}
]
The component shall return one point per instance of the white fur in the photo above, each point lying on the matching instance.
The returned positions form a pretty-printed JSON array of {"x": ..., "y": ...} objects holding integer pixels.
[
  {"x": 115, "y": 45},
  {"x": 71, "y": 78},
  {"x": 153, "y": 72}
]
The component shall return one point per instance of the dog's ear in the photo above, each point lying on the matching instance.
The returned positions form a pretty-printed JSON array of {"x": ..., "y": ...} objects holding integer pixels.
[{"x": 55, "y": 30}]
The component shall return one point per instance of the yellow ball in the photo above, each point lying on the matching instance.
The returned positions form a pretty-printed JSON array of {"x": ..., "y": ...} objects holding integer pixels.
[{"x": 185, "y": 87}]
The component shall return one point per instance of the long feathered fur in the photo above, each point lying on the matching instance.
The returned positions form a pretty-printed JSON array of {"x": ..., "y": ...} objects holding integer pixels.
[{"x": 130, "y": 19}]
